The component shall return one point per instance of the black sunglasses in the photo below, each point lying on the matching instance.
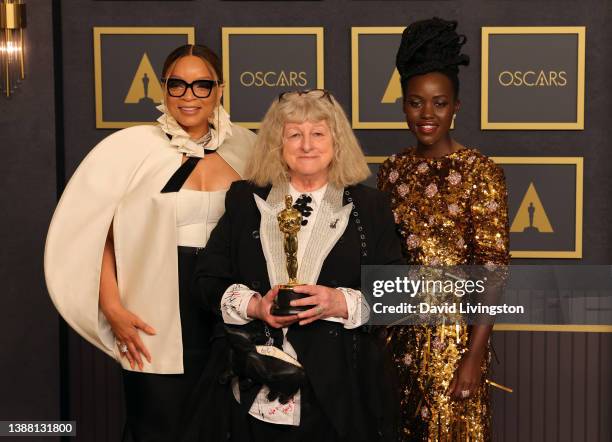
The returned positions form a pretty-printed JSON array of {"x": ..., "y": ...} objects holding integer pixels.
[
  {"x": 324, "y": 94},
  {"x": 200, "y": 88}
]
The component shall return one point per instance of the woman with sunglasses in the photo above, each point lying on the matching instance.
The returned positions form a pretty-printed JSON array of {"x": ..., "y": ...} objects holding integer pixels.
[
  {"x": 124, "y": 239},
  {"x": 324, "y": 381},
  {"x": 450, "y": 206}
]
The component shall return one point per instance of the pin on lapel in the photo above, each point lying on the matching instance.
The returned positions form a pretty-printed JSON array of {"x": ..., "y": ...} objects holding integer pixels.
[{"x": 334, "y": 223}]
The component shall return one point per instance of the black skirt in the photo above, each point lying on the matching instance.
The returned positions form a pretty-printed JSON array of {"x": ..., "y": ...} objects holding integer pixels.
[
  {"x": 213, "y": 415},
  {"x": 155, "y": 403}
]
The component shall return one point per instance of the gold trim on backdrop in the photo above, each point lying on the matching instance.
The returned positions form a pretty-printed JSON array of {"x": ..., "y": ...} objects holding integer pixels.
[
  {"x": 580, "y": 31},
  {"x": 97, "y": 34},
  {"x": 579, "y": 163},
  {"x": 375, "y": 159},
  {"x": 225, "y": 55},
  {"x": 574, "y": 328}
]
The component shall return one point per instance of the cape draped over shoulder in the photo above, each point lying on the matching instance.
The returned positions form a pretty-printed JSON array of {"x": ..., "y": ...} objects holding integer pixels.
[{"x": 119, "y": 183}]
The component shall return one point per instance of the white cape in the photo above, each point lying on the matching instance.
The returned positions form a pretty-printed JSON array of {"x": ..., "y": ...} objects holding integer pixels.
[{"x": 120, "y": 182}]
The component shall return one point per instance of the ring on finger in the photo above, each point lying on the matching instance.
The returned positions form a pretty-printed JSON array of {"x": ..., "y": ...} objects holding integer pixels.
[
  {"x": 465, "y": 394},
  {"x": 320, "y": 310},
  {"x": 123, "y": 348}
]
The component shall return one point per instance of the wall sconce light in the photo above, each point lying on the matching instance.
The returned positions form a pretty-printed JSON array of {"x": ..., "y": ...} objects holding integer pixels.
[{"x": 12, "y": 24}]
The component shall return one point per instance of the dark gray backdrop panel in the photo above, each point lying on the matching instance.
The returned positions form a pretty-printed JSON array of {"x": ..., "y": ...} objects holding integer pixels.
[
  {"x": 543, "y": 103},
  {"x": 94, "y": 382},
  {"x": 29, "y": 379},
  {"x": 300, "y": 54}
]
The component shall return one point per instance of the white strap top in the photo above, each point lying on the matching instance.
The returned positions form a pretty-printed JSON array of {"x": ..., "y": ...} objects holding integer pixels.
[{"x": 197, "y": 214}]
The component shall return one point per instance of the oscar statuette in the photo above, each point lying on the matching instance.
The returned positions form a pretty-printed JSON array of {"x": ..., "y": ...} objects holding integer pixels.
[{"x": 289, "y": 222}]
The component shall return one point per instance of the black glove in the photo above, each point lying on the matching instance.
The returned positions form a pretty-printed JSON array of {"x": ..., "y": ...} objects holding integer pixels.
[
  {"x": 240, "y": 344},
  {"x": 282, "y": 378}
]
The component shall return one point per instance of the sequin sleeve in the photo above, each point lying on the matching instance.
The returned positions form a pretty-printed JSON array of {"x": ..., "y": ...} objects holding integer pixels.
[
  {"x": 383, "y": 174},
  {"x": 489, "y": 209}
]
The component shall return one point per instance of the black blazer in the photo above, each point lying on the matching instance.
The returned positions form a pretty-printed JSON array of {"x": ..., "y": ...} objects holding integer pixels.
[{"x": 343, "y": 366}]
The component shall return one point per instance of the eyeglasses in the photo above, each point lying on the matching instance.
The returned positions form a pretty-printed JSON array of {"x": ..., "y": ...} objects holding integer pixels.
[
  {"x": 200, "y": 88},
  {"x": 323, "y": 93}
]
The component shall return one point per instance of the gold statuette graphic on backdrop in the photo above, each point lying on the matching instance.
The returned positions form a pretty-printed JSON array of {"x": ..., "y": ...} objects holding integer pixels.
[{"x": 289, "y": 222}]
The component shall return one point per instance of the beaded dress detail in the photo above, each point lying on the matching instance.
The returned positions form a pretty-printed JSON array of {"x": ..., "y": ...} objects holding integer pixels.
[{"x": 450, "y": 210}]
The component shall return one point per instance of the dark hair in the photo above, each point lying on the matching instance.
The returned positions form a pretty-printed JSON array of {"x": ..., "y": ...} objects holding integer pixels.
[
  {"x": 431, "y": 45},
  {"x": 200, "y": 51}
]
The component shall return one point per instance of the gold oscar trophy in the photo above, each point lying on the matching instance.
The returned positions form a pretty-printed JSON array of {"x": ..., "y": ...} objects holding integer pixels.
[{"x": 289, "y": 223}]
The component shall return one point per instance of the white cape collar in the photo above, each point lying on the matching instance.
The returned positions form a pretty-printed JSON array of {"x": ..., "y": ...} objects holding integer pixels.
[{"x": 220, "y": 129}]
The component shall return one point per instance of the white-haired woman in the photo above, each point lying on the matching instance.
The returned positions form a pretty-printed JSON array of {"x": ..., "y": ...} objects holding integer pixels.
[{"x": 305, "y": 149}]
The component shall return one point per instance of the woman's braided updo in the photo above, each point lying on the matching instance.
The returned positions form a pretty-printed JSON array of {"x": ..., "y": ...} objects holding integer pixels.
[{"x": 431, "y": 45}]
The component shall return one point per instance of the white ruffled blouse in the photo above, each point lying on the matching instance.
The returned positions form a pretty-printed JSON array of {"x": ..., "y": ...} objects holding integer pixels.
[{"x": 220, "y": 129}]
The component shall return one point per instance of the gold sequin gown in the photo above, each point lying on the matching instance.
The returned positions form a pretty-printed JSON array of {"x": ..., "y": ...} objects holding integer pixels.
[{"x": 450, "y": 211}]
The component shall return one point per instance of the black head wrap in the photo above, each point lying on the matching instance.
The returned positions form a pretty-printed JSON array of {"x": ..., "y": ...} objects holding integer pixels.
[{"x": 431, "y": 45}]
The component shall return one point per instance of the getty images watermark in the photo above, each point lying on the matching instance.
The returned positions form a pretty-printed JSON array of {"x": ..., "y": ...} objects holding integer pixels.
[{"x": 488, "y": 294}]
